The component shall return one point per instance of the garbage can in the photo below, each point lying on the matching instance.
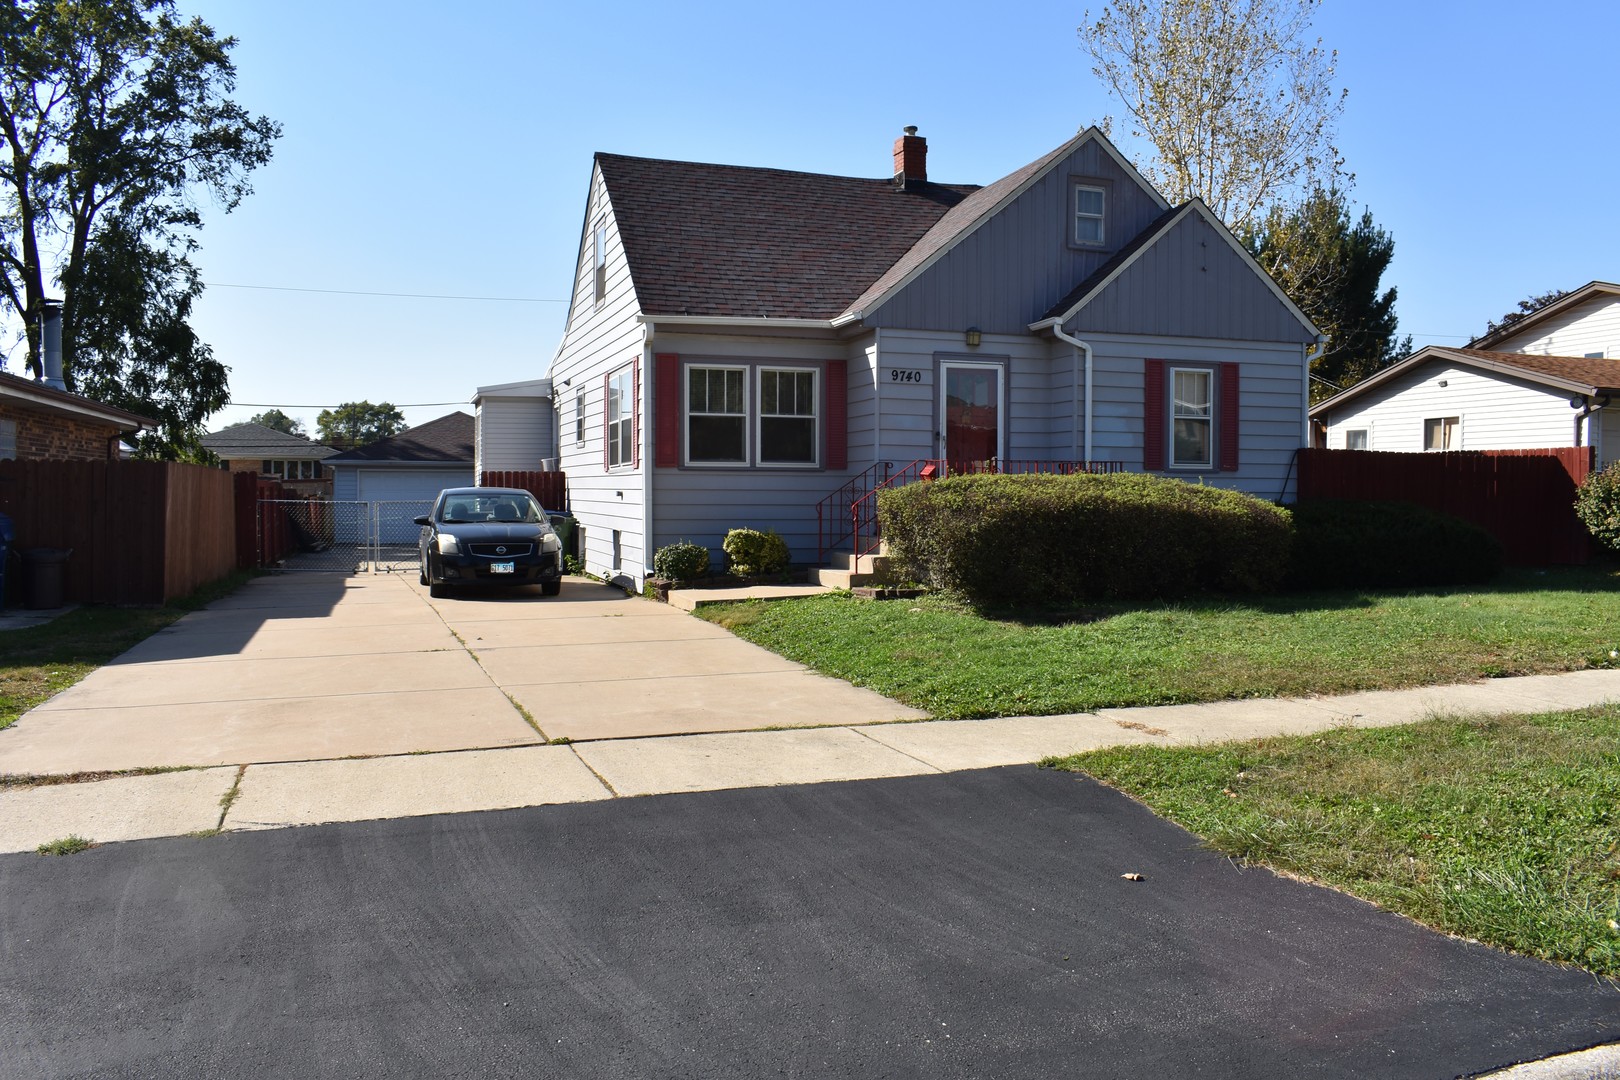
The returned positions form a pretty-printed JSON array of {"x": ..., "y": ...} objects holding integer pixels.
[
  {"x": 45, "y": 569},
  {"x": 564, "y": 525},
  {"x": 7, "y": 535}
]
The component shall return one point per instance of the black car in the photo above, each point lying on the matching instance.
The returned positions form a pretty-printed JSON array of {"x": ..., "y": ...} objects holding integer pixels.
[{"x": 488, "y": 536}]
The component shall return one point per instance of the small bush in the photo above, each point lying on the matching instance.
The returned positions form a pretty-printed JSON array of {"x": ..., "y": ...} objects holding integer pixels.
[
  {"x": 682, "y": 561},
  {"x": 752, "y": 553},
  {"x": 1352, "y": 545},
  {"x": 1598, "y": 505},
  {"x": 1025, "y": 540}
]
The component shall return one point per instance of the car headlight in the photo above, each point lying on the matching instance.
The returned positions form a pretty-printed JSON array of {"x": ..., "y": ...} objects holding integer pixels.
[
  {"x": 448, "y": 545},
  {"x": 550, "y": 542}
]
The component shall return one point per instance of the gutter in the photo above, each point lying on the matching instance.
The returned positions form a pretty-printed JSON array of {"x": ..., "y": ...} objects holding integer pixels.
[
  {"x": 1081, "y": 347},
  {"x": 1584, "y": 403},
  {"x": 736, "y": 321}
]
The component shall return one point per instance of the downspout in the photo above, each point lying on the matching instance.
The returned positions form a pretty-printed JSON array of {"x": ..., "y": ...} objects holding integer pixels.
[
  {"x": 1587, "y": 408},
  {"x": 1082, "y": 347},
  {"x": 648, "y": 377},
  {"x": 877, "y": 395},
  {"x": 1311, "y": 351}
]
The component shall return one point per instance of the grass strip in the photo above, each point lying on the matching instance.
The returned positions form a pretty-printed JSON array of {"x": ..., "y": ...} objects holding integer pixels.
[
  {"x": 955, "y": 662},
  {"x": 40, "y": 661},
  {"x": 1505, "y": 830}
]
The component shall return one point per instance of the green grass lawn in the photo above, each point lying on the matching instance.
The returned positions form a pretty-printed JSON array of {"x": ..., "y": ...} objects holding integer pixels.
[
  {"x": 40, "y": 661},
  {"x": 1504, "y": 830},
  {"x": 940, "y": 656}
]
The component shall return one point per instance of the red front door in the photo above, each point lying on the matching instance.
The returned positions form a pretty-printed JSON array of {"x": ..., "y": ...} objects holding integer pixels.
[{"x": 970, "y": 400}]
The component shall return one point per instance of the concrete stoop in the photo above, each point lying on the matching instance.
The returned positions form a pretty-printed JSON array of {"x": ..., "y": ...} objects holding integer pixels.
[{"x": 848, "y": 571}]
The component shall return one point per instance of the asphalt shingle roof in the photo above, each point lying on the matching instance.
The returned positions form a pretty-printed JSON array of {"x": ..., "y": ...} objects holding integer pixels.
[
  {"x": 734, "y": 241},
  {"x": 242, "y": 441},
  {"x": 449, "y": 438},
  {"x": 1599, "y": 373}
]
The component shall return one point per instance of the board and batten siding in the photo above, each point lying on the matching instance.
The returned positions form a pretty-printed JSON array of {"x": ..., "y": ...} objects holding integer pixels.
[
  {"x": 514, "y": 433},
  {"x": 1495, "y": 412},
  {"x": 1016, "y": 265},
  {"x": 600, "y": 338},
  {"x": 1592, "y": 326}
]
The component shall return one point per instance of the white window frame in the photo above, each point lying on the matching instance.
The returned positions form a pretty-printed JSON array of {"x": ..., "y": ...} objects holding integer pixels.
[
  {"x": 814, "y": 416},
  {"x": 599, "y": 262},
  {"x": 1100, "y": 217},
  {"x": 1210, "y": 417},
  {"x": 1366, "y": 438},
  {"x": 1451, "y": 433},
  {"x": 579, "y": 418},
  {"x": 621, "y": 391},
  {"x": 746, "y": 460},
  {"x": 8, "y": 440}
]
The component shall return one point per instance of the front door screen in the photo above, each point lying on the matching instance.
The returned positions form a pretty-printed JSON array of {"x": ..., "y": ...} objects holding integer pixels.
[{"x": 972, "y": 413}]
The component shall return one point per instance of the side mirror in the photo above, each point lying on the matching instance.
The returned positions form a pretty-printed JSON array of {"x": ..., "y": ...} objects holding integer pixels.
[{"x": 422, "y": 520}]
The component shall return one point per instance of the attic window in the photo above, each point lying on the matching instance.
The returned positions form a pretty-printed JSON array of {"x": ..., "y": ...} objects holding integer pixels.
[
  {"x": 599, "y": 261},
  {"x": 1088, "y": 215}
]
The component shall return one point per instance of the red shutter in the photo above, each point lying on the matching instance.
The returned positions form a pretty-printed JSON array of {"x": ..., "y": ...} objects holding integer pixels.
[
  {"x": 837, "y": 376},
  {"x": 1229, "y": 418},
  {"x": 635, "y": 413},
  {"x": 1153, "y": 435},
  {"x": 607, "y": 432},
  {"x": 667, "y": 401}
]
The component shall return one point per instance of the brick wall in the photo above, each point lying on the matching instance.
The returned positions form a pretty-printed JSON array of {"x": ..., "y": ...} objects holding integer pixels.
[{"x": 49, "y": 436}]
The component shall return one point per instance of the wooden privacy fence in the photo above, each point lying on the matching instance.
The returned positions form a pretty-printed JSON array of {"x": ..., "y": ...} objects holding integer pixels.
[
  {"x": 141, "y": 532},
  {"x": 1525, "y": 498},
  {"x": 551, "y": 488}
]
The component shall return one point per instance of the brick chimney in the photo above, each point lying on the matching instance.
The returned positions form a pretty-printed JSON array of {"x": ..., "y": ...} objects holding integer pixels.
[{"x": 910, "y": 158}]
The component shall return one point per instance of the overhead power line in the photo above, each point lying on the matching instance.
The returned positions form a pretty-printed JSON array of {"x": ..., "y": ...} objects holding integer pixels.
[
  {"x": 416, "y": 405},
  {"x": 401, "y": 295}
]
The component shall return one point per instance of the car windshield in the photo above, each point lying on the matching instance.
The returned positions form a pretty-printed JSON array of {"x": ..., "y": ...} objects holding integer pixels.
[{"x": 507, "y": 507}]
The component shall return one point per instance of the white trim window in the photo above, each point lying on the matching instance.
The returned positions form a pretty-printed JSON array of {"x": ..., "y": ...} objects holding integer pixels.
[
  {"x": 599, "y": 262},
  {"x": 789, "y": 424},
  {"x": 621, "y": 429},
  {"x": 716, "y": 415},
  {"x": 1089, "y": 204},
  {"x": 8, "y": 439},
  {"x": 1442, "y": 433},
  {"x": 1356, "y": 439},
  {"x": 579, "y": 418},
  {"x": 1192, "y": 418},
  {"x": 291, "y": 470}
]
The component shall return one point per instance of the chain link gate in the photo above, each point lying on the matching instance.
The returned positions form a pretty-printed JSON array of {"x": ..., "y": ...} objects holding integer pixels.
[
  {"x": 395, "y": 534},
  {"x": 344, "y": 537}
]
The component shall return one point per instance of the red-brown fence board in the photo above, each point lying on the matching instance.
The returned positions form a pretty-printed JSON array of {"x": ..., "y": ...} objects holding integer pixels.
[
  {"x": 1525, "y": 498},
  {"x": 550, "y": 488},
  {"x": 141, "y": 532}
]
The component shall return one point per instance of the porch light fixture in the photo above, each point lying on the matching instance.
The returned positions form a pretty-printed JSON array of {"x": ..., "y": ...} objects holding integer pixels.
[{"x": 973, "y": 337}]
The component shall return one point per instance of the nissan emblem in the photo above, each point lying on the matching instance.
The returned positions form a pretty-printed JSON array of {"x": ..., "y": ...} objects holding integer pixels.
[{"x": 500, "y": 550}]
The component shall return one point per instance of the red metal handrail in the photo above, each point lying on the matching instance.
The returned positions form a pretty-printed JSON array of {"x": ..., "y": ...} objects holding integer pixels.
[{"x": 832, "y": 512}]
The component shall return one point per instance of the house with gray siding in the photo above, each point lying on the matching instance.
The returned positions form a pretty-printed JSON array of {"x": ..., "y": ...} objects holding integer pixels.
[
  {"x": 742, "y": 343},
  {"x": 1547, "y": 379}
]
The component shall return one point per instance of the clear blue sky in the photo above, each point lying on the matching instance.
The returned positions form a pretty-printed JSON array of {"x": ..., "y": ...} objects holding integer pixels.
[{"x": 432, "y": 151}]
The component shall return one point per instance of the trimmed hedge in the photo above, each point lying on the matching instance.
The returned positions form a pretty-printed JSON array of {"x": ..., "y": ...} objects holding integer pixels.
[
  {"x": 681, "y": 561},
  {"x": 1033, "y": 540},
  {"x": 1345, "y": 544},
  {"x": 1597, "y": 503},
  {"x": 752, "y": 553}
]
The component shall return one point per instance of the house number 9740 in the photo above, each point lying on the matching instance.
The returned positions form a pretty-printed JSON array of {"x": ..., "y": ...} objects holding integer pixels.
[{"x": 904, "y": 375}]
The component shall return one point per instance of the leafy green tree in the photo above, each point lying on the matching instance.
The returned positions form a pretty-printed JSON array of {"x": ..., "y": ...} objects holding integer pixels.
[
  {"x": 1528, "y": 306},
  {"x": 114, "y": 118},
  {"x": 1234, "y": 96},
  {"x": 1332, "y": 266},
  {"x": 358, "y": 423},
  {"x": 279, "y": 421}
]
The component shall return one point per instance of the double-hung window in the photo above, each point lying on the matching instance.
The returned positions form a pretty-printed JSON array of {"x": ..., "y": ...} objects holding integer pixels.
[
  {"x": 1088, "y": 215},
  {"x": 716, "y": 415},
  {"x": 788, "y": 432},
  {"x": 621, "y": 428},
  {"x": 1192, "y": 412},
  {"x": 579, "y": 418}
]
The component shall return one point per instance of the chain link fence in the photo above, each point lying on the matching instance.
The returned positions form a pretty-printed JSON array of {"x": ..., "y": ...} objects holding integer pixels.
[{"x": 340, "y": 537}]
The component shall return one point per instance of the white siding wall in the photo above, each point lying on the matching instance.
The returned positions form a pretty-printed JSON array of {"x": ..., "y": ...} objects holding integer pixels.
[
  {"x": 600, "y": 338},
  {"x": 1496, "y": 412},
  {"x": 1593, "y": 326},
  {"x": 514, "y": 433}
]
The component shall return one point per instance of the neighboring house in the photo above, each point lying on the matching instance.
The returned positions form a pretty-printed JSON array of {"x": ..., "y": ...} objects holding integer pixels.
[
  {"x": 742, "y": 342},
  {"x": 1549, "y": 379},
  {"x": 292, "y": 459},
  {"x": 406, "y": 471},
  {"x": 41, "y": 422},
  {"x": 516, "y": 427}
]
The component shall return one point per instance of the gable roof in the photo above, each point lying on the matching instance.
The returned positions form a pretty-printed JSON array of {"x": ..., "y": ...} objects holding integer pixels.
[
  {"x": 1105, "y": 275},
  {"x": 449, "y": 439},
  {"x": 1540, "y": 315},
  {"x": 735, "y": 241},
  {"x": 246, "y": 440},
  {"x": 1587, "y": 376},
  {"x": 36, "y": 395}
]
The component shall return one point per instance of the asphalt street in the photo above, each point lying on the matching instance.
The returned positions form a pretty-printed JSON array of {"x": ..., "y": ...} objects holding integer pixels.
[{"x": 966, "y": 925}]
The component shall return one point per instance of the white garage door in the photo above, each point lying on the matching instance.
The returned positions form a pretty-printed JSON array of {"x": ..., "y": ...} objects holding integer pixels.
[{"x": 402, "y": 494}]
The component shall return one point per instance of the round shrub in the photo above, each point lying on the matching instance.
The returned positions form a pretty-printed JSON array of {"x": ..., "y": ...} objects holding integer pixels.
[
  {"x": 1597, "y": 503},
  {"x": 1340, "y": 544},
  {"x": 1029, "y": 540},
  {"x": 752, "y": 553},
  {"x": 682, "y": 561}
]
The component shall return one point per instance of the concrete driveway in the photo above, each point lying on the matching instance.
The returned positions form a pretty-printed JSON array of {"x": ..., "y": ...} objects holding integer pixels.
[{"x": 314, "y": 667}]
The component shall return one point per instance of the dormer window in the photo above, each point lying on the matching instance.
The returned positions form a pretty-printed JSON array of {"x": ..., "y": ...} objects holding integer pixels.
[{"x": 1088, "y": 215}]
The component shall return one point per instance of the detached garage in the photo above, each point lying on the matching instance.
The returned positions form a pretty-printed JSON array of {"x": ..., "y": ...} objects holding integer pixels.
[{"x": 403, "y": 474}]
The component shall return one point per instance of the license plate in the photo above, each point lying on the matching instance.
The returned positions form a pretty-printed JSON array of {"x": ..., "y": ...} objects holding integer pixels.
[{"x": 502, "y": 568}]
